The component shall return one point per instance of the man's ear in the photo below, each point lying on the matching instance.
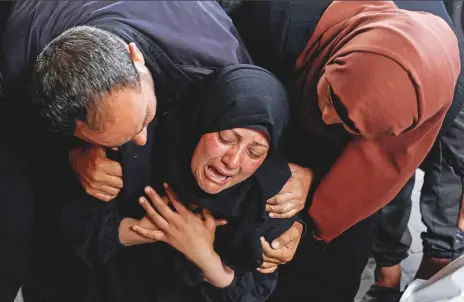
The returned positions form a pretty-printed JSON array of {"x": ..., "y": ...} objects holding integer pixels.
[{"x": 136, "y": 54}]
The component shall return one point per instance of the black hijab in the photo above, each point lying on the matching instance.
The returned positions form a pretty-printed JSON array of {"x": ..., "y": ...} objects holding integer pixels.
[{"x": 238, "y": 96}]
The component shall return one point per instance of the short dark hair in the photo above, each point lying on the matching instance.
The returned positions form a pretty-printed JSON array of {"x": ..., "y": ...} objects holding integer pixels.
[{"x": 74, "y": 72}]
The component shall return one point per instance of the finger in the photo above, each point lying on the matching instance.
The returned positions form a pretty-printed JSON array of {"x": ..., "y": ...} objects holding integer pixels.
[
  {"x": 461, "y": 222},
  {"x": 165, "y": 199},
  {"x": 285, "y": 215},
  {"x": 111, "y": 167},
  {"x": 180, "y": 208},
  {"x": 267, "y": 265},
  {"x": 153, "y": 215},
  {"x": 291, "y": 235},
  {"x": 102, "y": 197},
  {"x": 113, "y": 181},
  {"x": 220, "y": 222},
  {"x": 169, "y": 215},
  {"x": 210, "y": 222},
  {"x": 272, "y": 260},
  {"x": 110, "y": 191},
  {"x": 281, "y": 198},
  {"x": 149, "y": 234},
  {"x": 268, "y": 270},
  {"x": 171, "y": 194},
  {"x": 281, "y": 209},
  {"x": 271, "y": 253},
  {"x": 99, "y": 178}
]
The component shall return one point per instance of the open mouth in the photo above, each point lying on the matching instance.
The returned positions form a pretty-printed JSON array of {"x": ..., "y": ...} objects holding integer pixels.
[{"x": 216, "y": 176}]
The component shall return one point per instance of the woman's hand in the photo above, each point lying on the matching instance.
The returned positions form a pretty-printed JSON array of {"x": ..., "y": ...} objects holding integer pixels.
[
  {"x": 188, "y": 233},
  {"x": 292, "y": 198},
  {"x": 182, "y": 230}
]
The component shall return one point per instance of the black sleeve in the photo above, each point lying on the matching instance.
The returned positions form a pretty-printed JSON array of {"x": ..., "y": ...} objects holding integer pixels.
[
  {"x": 16, "y": 221},
  {"x": 246, "y": 287},
  {"x": 91, "y": 227},
  {"x": 251, "y": 286}
]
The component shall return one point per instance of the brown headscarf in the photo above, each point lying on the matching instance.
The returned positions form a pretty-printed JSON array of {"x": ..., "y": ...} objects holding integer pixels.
[{"x": 394, "y": 72}]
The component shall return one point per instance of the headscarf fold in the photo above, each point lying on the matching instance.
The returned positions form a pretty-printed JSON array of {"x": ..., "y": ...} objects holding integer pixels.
[
  {"x": 239, "y": 96},
  {"x": 391, "y": 69}
]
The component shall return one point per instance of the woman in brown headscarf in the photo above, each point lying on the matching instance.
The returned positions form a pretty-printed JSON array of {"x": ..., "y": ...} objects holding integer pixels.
[
  {"x": 374, "y": 84},
  {"x": 386, "y": 77}
]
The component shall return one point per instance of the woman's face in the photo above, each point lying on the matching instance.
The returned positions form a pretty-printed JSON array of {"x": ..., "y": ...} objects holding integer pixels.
[{"x": 225, "y": 158}]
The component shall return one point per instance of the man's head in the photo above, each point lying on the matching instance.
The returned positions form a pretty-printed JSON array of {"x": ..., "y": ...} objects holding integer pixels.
[{"x": 89, "y": 83}]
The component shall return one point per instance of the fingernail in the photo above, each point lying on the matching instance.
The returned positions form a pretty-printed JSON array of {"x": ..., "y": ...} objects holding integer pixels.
[
  {"x": 262, "y": 239},
  {"x": 141, "y": 200},
  {"x": 165, "y": 185},
  {"x": 134, "y": 228},
  {"x": 258, "y": 269},
  {"x": 272, "y": 215},
  {"x": 147, "y": 189},
  {"x": 275, "y": 244}
]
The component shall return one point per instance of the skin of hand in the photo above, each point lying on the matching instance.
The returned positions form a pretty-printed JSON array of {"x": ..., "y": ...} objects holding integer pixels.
[
  {"x": 99, "y": 176},
  {"x": 186, "y": 232},
  {"x": 281, "y": 250},
  {"x": 292, "y": 198},
  {"x": 461, "y": 216},
  {"x": 128, "y": 237}
]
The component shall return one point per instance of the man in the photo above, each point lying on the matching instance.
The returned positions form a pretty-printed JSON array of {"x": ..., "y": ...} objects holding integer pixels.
[{"x": 96, "y": 68}]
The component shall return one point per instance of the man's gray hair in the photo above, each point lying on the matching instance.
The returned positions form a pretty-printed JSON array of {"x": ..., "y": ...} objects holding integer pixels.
[{"x": 75, "y": 71}]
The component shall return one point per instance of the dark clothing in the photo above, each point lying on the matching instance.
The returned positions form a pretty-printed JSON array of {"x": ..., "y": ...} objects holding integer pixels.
[
  {"x": 240, "y": 96},
  {"x": 16, "y": 215},
  {"x": 96, "y": 266},
  {"x": 441, "y": 191},
  {"x": 275, "y": 33}
]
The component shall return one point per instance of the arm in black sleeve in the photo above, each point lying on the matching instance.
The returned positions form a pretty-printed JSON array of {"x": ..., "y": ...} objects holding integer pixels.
[
  {"x": 251, "y": 286},
  {"x": 16, "y": 221},
  {"x": 91, "y": 227}
]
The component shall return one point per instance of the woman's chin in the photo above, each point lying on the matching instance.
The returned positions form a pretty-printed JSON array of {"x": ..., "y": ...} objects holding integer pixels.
[{"x": 211, "y": 188}]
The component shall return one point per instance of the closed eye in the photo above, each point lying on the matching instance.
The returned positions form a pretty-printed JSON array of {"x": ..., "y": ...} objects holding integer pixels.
[{"x": 224, "y": 140}]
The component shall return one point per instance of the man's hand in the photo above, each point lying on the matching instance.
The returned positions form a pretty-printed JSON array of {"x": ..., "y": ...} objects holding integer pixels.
[
  {"x": 281, "y": 250},
  {"x": 292, "y": 198},
  {"x": 100, "y": 176},
  {"x": 461, "y": 216}
]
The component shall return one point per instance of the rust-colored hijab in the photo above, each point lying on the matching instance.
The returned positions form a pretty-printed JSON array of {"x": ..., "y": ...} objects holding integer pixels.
[
  {"x": 381, "y": 62},
  {"x": 388, "y": 76}
]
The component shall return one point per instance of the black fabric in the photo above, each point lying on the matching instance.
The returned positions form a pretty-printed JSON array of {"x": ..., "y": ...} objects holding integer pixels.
[
  {"x": 438, "y": 8},
  {"x": 74, "y": 230},
  {"x": 440, "y": 202},
  {"x": 234, "y": 97},
  {"x": 16, "y": 214},
  {"x": 276, "y": 32}
]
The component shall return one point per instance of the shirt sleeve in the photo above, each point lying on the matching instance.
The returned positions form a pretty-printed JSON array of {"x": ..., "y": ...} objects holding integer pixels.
[
  {"x": 246, "y": 287},
  {"x": 16, "y": 222},
  {"x": 251, "y": 286},
  {"x": 91, "y": 227}
]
